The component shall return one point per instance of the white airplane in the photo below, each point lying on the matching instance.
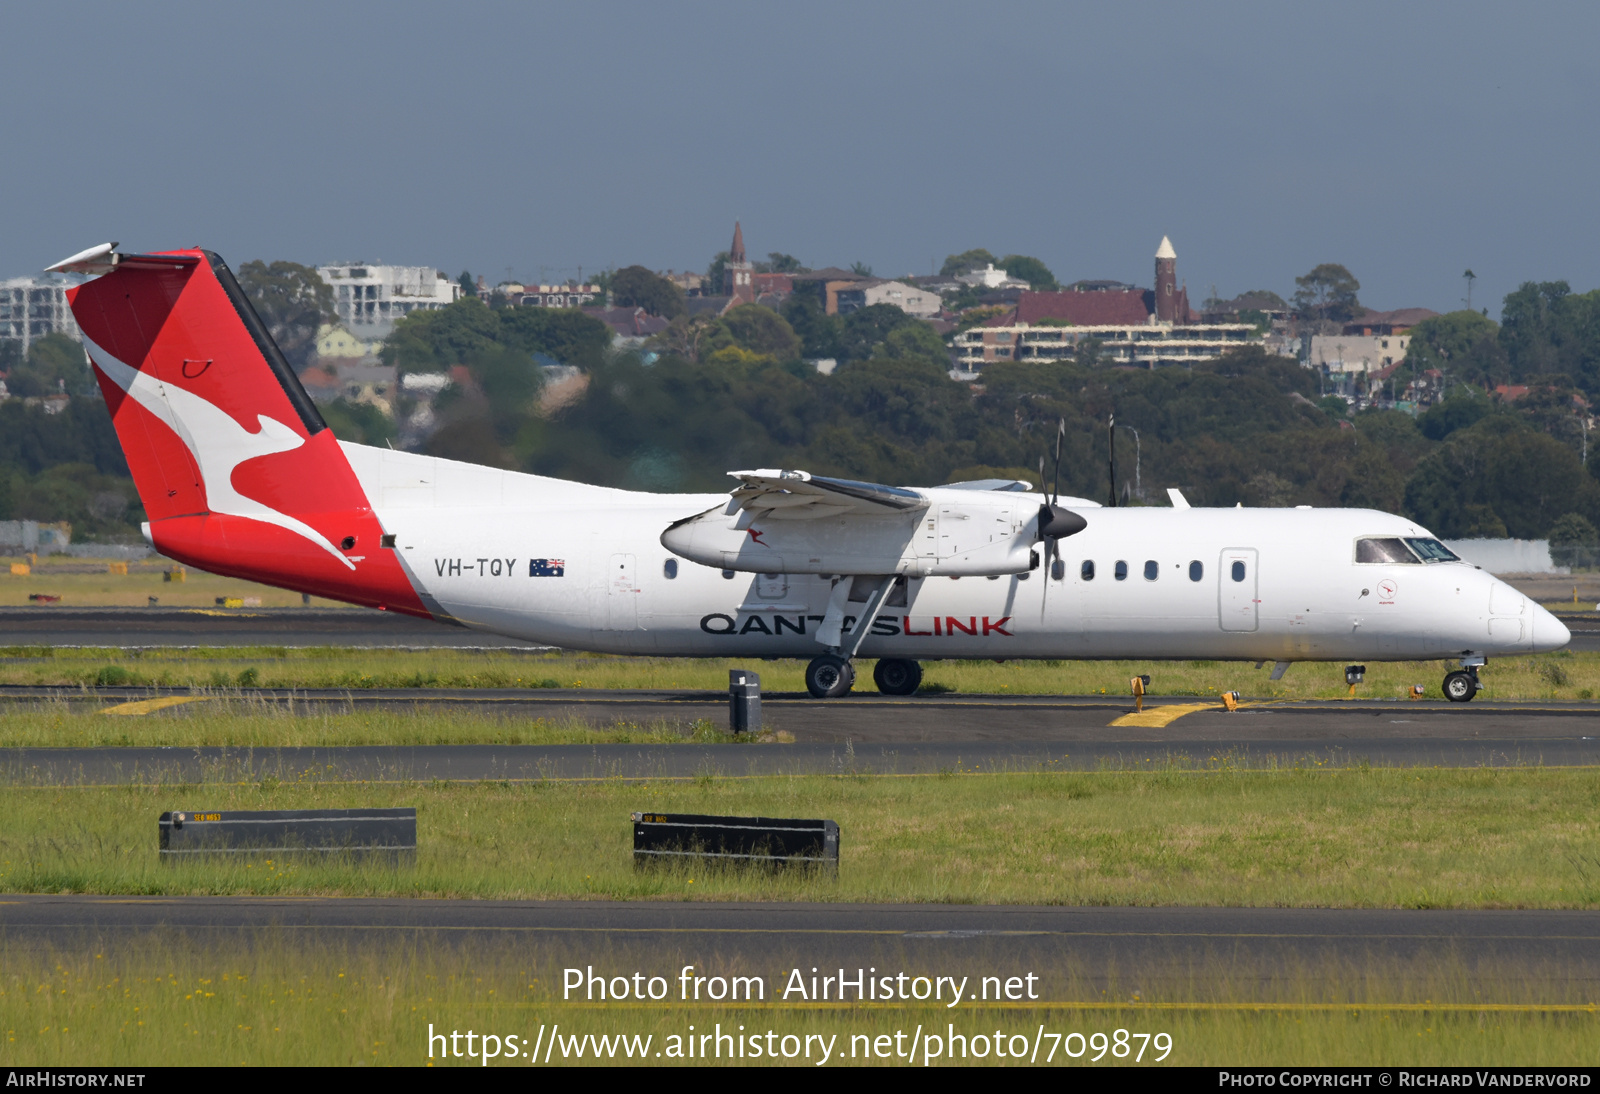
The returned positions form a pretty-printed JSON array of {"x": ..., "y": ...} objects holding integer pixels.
[{"x": 240, "y": 476}]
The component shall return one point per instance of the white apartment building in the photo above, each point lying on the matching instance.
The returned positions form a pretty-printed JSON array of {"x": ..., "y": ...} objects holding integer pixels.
[
  {"x": 555, "y": 296},
  {"x": 32, "y": 307},
  {"x": 370, "y": 300},
  {"x": 1147, "y": 344},
  {"x": 991, "y": 278},
  {"x": 1334, "y": 354},
  {"x": 922, "y": 303}
]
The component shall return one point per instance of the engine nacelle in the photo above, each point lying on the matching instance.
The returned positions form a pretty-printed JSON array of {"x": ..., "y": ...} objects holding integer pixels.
[{"x": 960, "y": 533}]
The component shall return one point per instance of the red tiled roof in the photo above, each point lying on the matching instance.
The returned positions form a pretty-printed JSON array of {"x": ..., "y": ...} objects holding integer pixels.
[
  {"x": 1400, "y": 317},
  {"x": 1119, "y": 307}
]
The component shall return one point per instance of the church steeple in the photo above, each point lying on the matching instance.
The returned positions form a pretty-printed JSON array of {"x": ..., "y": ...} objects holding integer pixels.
[{"x": 738, "y": 278}]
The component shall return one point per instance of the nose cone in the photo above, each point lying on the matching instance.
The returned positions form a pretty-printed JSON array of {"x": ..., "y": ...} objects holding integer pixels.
[{"x": 1549, "y": 633}]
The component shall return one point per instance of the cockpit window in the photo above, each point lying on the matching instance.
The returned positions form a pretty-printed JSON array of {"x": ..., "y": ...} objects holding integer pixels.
[
  {"x": 1384, "y": 550},
  {"x": 1431, "y": 550}
]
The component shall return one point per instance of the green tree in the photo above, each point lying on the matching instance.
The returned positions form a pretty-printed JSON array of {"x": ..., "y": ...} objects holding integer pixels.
[
  {"x": 358, "y": 423},
  {"x": 565, "y": 334},
  {"x": 55, "y": 364},
  {"x": 1327, "y": 293},
  {"x": 716, "y": 274},
  {"x": 966, "y": 262},
  {"x": 762, "y": 330},
  {"x": 508, "y": 377},
  {"x": 469, "y": 287},
  {"x": 1533, "y": 327},
  {"x": 864, "y": 328},
  {"x": 861, "y": 269},
  {"x": 1461, "y": 344},
  {"x": 819, "y": 332},
  {"x": 293, "y": 302},
  {"x": 914, "y": 342},
  {"x": 1031, "y": 270},
  {"x": 635, "y": 286},
  {"x": 1465, "y": 406},
  {"x": 1574, "y": 530},
  {"x": 778, "y": 262},
  {"x": 435, "y": 340}
]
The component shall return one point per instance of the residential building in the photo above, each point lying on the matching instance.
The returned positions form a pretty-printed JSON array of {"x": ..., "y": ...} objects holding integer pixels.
[
  {"x": 991, "y": 278},
  {"x": 690, "y": 282},
  {"x": 371, "y": 299},
  {"x": 629, "y": 326},
  {"x": 1338, "y": 356},
  {"x": 1387, "y": 322},
  {"x": 557, "y": 296},
  {"x": 334, "y": 341},
  {"x": 1130, "y": 325},
  {"x": 908, "y": 298},
  {"x": 32, "y": 307},
  {"x": 832, "y": 280}
]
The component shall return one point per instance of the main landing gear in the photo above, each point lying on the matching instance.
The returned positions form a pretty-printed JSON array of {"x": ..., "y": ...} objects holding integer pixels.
[
  {"x": 1461, "y": 685},
  {"x": 830, "y": 676}
]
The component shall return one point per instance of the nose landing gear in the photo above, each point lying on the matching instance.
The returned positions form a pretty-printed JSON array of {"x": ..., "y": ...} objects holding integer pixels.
[{"x": 1461, "y": 685}]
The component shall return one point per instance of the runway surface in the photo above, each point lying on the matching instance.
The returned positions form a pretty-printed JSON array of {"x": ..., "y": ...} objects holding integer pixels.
[
  {"x": 1248, "y": 952},
  {"x": 870, "y": 733},
  {"x": 353, "y": 627}
]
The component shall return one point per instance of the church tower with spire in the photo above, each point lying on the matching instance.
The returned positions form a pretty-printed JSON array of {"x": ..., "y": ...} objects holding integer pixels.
[{"x": 738, "y": 278}]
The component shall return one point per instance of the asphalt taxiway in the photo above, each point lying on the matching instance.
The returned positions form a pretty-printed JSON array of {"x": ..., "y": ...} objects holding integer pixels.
[{"x": 1254, "y": 952}]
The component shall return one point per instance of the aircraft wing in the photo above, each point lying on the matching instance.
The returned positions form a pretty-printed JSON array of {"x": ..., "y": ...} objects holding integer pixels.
[{"x": 799, "y": 495}]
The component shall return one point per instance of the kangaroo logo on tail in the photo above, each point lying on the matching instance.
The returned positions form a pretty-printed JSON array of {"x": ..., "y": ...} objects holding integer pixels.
[{"x": 217, "y": 442}]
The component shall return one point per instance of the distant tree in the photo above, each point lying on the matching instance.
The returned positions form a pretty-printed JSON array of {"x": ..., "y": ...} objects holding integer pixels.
[
  {"x": 716, "y": 273},
  {"x": 55, "y": 364},
  {"x": 861, "y": 269},
  {"x": 508, "y": 377},
  {"x": 10, "y": 355},
  {"x": 566, "y": 334},
  {"x": 688, "y": 337},
  {"x": 763, "y": 331},
  {"x": 436, "y": 340},
  {"x": 1464, "y": 407},
  {"x": 293, "y": 301},
  {"x": 635, "y": 286},
  {"x": 1462, "y": 344},
  {"x": 1031, "y": 270},
  {"x": 864, "y": 328},
  {"x": 778, "y": 262},
  {"x": 358, "y": 423},
  {"x": 818, "y": 331},
  {"x": 914, "y": 342},
  {"x": 1573, "y": 530},
  {"x": 966, "y": 262},
  {"x": 469, "y": 287},
  {"x": 1327, "y": 293}
]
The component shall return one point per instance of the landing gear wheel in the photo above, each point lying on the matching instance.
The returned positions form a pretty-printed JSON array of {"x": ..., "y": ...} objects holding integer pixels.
[
  {"x": 896, "y": 676},
  {"x": 828, "y": 677},
  {"x": 1460, "y": 686}
]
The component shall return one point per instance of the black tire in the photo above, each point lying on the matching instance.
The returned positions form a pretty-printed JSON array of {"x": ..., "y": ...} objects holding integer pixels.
[
  {"x": 897, "y": 676},
  {"x": 1460, "y": 687},
  {"x": 828, "y": 677}
]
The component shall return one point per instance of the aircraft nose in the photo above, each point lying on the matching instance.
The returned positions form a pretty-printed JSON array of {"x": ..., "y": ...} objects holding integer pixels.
[{"x": 1549, "y": 633}]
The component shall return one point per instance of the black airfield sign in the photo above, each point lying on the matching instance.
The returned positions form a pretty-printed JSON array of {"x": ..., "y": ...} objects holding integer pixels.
[
  {"x": 665, "y": 837},
  {"x": 357, "y": 832}
]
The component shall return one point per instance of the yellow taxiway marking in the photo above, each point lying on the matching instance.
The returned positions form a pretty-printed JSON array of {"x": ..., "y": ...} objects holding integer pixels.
[
  {"x": 146, "y": 706},
  {"x": 1158, "y": 717}
]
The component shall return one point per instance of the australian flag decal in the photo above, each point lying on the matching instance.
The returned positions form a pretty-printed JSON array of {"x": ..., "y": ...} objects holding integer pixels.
[{"x": 547, "y": 567}]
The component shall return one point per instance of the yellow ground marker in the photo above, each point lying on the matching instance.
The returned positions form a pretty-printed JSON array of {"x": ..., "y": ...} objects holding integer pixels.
[
  {"x": 147, "y": 706},
  {"x": 1158, "y": 717}
]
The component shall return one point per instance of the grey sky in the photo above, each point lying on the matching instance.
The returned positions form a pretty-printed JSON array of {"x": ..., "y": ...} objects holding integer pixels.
[{"x": 1406, "y": 141}]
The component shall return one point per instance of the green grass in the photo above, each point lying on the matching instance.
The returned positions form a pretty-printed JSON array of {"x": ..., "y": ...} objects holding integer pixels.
[
  {"x": 240, "y": 721},
  {"x": 1564, "y": 675},
  {"x": 275, "y": 999},
  {"x": 1522, "y": 837}
]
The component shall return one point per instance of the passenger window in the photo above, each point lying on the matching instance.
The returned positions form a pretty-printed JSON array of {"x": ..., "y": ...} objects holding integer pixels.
[
  {"x": 669, "y": 569},
  {"x": 1120, "y": 570},
  {"x": 1197, "y": 570},
  {"x": 1238, "y": 571},
  {"x": 1432, "y": 550},
  {"x": 1385, "y": 550},
  {"x": 1152, "y": 570},
  {"x": 1058, "y": 569},
  {"x": 1087, "y": 569}
]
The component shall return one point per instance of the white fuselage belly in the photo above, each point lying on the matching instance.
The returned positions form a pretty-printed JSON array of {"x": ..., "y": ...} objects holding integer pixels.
[{"x": 1303, "y": 598}]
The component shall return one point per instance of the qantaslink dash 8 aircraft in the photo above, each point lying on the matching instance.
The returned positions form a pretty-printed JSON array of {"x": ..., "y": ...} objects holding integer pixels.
[{"x": 239, "y": 475}]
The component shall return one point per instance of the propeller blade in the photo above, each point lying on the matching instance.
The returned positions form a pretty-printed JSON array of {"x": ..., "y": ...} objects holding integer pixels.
[{"x": 1061, "y": 433}]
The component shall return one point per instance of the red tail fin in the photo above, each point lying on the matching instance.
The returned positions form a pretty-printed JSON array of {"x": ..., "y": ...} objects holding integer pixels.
[{"x": 236, "y": 468}]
